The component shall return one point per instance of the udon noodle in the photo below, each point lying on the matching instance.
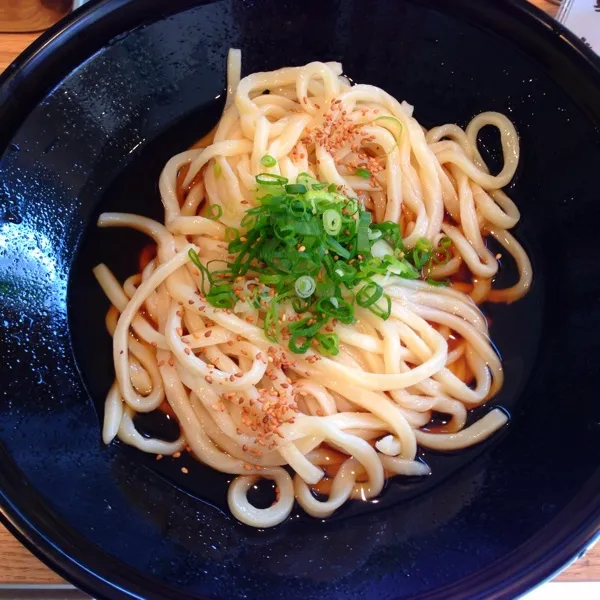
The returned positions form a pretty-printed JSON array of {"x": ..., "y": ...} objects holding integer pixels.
[{"x": 340, "y": 423}]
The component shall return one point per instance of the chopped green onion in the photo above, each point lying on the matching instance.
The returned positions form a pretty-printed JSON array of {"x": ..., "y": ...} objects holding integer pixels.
[
  {"x": 344, "y": 272},
  {"x": 369, "y": 294},
  {"x": 334, "y": 245},
  {"x": 305, "y": 327},
  {"x": 248, "y": 221},
  {"x": 391, "y": 234},
  {"x": 441, "y": 256},
  {"x": 271, "y": 179},
  {"x": 217, "y": 169},
  {"x": 223, "y": 300},
  {"x": 307, "y": 180},
  {"x": 309, "y": 243},
  {"x": 421, "y": 253},
  {"x": 299, "y": 349},
  {"x": 341, "y": 310},
  {"x": 372, "y": 266},
  {"x": 270, "y": 279},
  {"x": 271, "y": 323},
  {"x": 332, "y": 221},
  {"x": 214, "y": 212},
  {"x": 268, "y": 161},
  {"x": 361, "y": 172},
  {"x": 305, "y": 286},
  {"x": 382, "y": 313},
  {"x": 436, "y": 283},
  {"x": 195, "y": 258},
  {"x": 392, "y": 124},
  {"x": 362, "y": 244},
  {"x": 381, "y": 248},
  {"x": 329, "y": 344},
  {"x": 203, "y": 270},
  {"x": 402, "y": 268},
  {"x": 231, "y": 233},
  {"x": 295, "y": 188},
  {"x": 301, "y": 305},
  {"x": 285, "y": 232},
  {"x": 423, "y": 244}
]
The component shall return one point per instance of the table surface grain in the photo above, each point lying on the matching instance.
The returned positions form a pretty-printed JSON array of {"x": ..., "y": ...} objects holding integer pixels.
[{"x": 19, "y": 566}]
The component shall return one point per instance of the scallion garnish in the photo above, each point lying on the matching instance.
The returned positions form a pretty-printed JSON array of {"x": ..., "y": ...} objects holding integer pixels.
[
  {"x": 332, "y": 221},
  {"x": 295, "y": 188},
  {"x": 268, "y": 161},
  {"x": 369, "y": 294},
  {"x": 329, "y": 343},
  {"x": 391, "y": 124},
  {"x": 362, "y": 172},
  {"x": 383, "y": 308},
  {"x": 271, "y": 179},
  {"x": 214, "y": 212},
  {"x": 308, "y": 245},
  {"x": 438, "y": 283},
  {"x": 195, "y": 259},
  {"x": 231, "y": 233},
  {"x": 305, "y": 286},
  {"x": 363, "y": 244}
]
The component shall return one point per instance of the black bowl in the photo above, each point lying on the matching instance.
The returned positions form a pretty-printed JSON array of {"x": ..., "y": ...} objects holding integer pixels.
[{"x": 89, "y": 115}]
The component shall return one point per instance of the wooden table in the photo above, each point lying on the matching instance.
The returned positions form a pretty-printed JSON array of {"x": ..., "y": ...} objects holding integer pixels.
[{"x": 18, "y": 566}]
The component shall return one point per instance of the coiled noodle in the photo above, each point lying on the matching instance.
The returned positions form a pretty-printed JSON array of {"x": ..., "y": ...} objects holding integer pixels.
[{"x": 341, "y": 424}]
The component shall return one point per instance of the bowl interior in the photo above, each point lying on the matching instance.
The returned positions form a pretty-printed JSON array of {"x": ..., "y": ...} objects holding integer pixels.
[{"x": 98, "y": 140}]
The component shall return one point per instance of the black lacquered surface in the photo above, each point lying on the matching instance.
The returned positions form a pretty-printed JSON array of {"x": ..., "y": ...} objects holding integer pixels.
[{"x": 87, "y": 124}]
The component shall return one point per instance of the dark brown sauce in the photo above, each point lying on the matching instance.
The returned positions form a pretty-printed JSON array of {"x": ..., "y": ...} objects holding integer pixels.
[{"x": 159, "y": 424}]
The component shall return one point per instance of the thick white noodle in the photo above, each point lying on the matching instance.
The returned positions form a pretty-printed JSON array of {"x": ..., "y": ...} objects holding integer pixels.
[{"x": 245, "y": 405}]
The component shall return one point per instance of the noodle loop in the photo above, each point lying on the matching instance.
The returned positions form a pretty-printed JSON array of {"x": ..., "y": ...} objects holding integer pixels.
[{"x": 254, "y": 388}]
